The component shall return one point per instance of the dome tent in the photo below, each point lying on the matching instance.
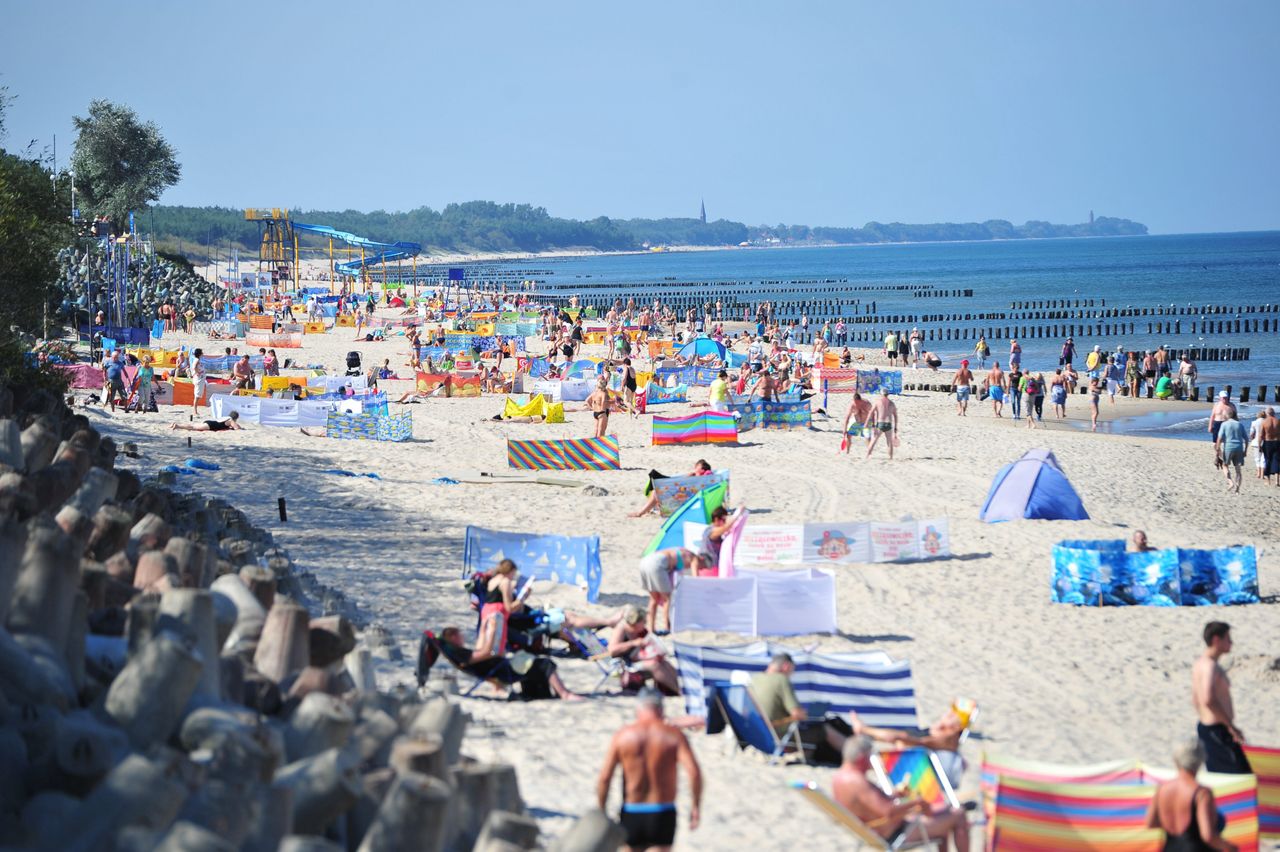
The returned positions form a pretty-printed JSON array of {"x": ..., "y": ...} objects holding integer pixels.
[{"x": 1034, "y": 487}]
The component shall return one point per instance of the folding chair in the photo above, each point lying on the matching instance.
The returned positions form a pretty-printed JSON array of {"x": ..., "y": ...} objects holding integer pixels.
[
  {"x": 919, "y": 770},
  {"x": 750, "y": 726},
  {"x": 592, "y": 647},
  {"x": 913, "y": 837}
]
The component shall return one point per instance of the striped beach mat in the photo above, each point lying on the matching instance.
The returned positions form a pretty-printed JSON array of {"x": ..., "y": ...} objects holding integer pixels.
[
  {"x": 708, "y": 427},
  {"x": 566, "y": 454}
]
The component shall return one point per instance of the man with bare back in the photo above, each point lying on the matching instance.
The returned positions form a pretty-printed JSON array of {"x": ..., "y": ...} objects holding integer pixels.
[
  {"x": 649, "y": 750},
  {"x": 1211, "y": 695},
  {"x": 883, "y": 421}
]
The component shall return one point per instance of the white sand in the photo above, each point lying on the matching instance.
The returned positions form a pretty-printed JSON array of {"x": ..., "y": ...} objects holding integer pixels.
[{"x": 1054, "y": 682}]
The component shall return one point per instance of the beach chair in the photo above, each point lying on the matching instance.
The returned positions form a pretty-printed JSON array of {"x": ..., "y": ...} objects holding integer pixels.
[
  {"x": 914, "y": 837},
  {"x": 739, "y": 708},
  {"x": 589, "y": 644},
  {"x": 919, "y": 770}
]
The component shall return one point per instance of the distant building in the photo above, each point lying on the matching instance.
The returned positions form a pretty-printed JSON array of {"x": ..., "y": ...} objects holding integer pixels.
[
  {"x": 1090, "y": 217},
  {"x": 703, "y": 216}
]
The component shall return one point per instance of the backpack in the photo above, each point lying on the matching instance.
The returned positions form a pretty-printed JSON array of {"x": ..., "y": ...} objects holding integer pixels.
[{"x": 1033, "y": 387}]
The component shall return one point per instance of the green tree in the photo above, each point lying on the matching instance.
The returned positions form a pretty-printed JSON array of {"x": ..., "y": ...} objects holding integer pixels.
[
  {"x": 120, "y": 163},
  {"x": 33, "y": 226}
]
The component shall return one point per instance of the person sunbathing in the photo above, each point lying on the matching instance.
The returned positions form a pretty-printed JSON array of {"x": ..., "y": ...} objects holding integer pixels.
[
  {"x": 632, "y": 643},
  {"x": 700, "y": 468},
  {"x": 889, "y": 817},
  {"x": 942, "y": 735},
  {"x": 499, "y": 601},
  {"x": 536, "y": 676},
  {"x": 226, "y": 424}
]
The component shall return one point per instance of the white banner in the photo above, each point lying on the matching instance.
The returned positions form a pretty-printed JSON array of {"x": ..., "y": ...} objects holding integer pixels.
[{"x": 835, "y": 543}]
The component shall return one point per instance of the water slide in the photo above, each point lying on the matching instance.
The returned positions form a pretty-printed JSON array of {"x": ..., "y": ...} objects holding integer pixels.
[{"x": 382, "y": 252}]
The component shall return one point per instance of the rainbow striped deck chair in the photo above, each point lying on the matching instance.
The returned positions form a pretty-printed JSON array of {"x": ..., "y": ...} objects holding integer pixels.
[
  {"x": 919, "y": 770},
  {"x": 863, "y": 834},
  {"x": 1266, "y": 767}
]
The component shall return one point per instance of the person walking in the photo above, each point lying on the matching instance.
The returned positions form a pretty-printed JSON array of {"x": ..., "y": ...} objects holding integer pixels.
[
  {"x": 1231, "y": 443},
  {"x": 1013, "y": 381},
  {"x": 980, "y": 351},
  {"x": 650, "y": 750},
  {"x": 1211, "y": 697},
  {"x": 891, "y": 347}
]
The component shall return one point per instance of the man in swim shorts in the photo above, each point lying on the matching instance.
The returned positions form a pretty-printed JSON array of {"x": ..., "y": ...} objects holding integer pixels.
[
  {"x": 1211, "y": 695},
  {"x": 883, "y": 420},
  {"x": 649, "y": 751},
  {"x": 855, "y": 420},
  {"x": 962, "y": 380}
]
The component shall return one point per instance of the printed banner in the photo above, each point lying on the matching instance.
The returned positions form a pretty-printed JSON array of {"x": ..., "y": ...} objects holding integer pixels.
[
  {"x": 369, "y": 427},
  {"x": 566, "y": 454},
  {"x": 655, "y": 394},
  {"x": 842, "y": 542},
  {"x": 786, "y": 415}
]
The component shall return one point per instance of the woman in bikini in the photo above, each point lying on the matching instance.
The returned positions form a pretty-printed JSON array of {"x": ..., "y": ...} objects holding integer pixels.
[
  {"x": 599, "y": 403},
  {"x": 499, "y": 602}
]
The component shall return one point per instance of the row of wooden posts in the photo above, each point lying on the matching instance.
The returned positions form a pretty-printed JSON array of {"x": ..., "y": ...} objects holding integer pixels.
[{"x": 943, "y": 385}]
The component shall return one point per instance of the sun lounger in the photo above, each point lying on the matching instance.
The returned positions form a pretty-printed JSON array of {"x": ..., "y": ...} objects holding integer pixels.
[
  {"x": 913, "y": 838},
  {"x": 590, "y": 645},
  {"x": 739, "y": 708}
]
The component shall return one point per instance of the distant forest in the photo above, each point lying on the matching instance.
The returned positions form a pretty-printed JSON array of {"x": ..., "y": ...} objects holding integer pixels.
[{"x": 483, "y": 226}]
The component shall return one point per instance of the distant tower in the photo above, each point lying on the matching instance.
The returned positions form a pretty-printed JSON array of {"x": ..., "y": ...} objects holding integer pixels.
[
  {"x": 703, "y": 216},
  {"x": 1090, "y": 217}
]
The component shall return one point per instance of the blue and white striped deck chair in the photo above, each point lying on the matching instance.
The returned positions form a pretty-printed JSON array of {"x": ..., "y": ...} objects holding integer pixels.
[{"x": 747, "y": 721}]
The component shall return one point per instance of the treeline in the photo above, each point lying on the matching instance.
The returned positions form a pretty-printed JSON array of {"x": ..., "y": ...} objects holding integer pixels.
[
  {"x": 992, "y": 229},
  {"x": 484, "y": 226}
]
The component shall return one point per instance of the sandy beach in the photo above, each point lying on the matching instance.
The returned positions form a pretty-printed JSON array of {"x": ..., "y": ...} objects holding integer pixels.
[{"x": 1053, "y": 682}]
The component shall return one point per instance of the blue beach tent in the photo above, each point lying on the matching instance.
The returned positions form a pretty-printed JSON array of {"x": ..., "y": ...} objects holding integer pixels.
[{"x": 1034, "y": 486}]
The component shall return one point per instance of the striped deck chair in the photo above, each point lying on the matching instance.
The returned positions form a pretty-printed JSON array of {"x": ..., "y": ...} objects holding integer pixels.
[
  {"x": 739, "y": 708},
  {"x": 864, "y": 835},
  {"x": 920, "y": 770},
  {"x": 1266, "y": 767}
]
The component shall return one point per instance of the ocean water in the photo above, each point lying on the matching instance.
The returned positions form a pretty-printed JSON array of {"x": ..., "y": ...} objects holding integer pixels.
[{"x": 1195, "y": 269}]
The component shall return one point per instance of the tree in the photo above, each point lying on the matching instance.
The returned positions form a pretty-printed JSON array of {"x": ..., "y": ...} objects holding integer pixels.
[
  {"x": 33, "y": 226},
  {"x": 120, "y": 163}
]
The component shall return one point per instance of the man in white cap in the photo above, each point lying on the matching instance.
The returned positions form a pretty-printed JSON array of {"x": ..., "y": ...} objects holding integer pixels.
[
  {"x": 917, "y": 340},
  {"x": 1222, "y": 409}
]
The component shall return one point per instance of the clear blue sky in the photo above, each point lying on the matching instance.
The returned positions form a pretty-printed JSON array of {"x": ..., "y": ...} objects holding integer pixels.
[{"x": 816, "y": 113}]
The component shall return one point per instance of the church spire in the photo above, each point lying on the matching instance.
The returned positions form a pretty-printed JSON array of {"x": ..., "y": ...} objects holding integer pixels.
[{"x": 704, "y": 212}]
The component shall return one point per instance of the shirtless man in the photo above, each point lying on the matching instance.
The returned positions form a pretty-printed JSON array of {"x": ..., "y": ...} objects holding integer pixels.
[
  {"x": 1211, "y": 696},
  {"x": 242, "y": 373},
  {"x": 766, "y": 388},
  {"x": 890, "y": 818},
  {"x": 855, "y": 420},
  {"x": 963, "y": 383},
  {"x": 995, "y": 387},
  {"x": 649, "y": 751},
  {"x": 883, "y": 420},
  {"x": 942, "y": 735},
  {"x": 598, "y": 403},
  {"x": 1269, "y": 446}
]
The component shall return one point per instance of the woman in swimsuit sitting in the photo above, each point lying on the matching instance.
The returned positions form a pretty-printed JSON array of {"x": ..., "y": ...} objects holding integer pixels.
[
  {"x": 632, "y": 643},
  {"x": 499, "y": 602},
  {"x": 1184, "y": 808}
]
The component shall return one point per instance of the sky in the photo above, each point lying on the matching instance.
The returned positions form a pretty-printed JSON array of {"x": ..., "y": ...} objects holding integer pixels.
[{"x": 798, "y": 112}]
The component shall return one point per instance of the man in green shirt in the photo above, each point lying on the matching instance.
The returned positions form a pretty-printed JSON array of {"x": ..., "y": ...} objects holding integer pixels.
[{"x": 776, "y": 696}]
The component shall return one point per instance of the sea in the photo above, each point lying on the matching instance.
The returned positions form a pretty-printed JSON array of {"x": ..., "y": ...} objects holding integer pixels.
[{"x": 1147, "y": 271}]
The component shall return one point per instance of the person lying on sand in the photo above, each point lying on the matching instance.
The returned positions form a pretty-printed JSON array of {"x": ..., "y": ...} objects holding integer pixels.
[
  {"x": 227, "y": 424},
  {"x": 942, "y": 735}
]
